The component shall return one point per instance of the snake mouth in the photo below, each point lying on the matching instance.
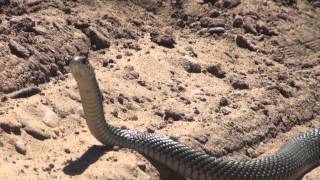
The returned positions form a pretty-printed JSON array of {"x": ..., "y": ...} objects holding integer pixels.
[{"x": 81, "y": 68}]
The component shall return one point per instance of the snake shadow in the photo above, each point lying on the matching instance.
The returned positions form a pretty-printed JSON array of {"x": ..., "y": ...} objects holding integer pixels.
[{"x": 92, "y": 155}]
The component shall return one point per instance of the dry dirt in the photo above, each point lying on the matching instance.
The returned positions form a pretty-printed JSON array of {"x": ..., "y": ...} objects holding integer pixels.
[{"x": 234, "y": 78}]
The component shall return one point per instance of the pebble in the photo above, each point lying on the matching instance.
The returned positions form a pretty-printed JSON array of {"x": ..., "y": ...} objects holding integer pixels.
[
  {"x": 240, "y": 84},
  {"x": 231, "y": 3},
  {"x": 11, "y": 127},
  {"x": 243, "y": 42},
  {"x": 4, "y": 98},
  {"x": 238, "y": 21},
  {"x": 35, "y": 132},
  {"x": 217, "y": 30},
  {"x": 142, "y": 83},
  {"x": 284, "y": 90},
  {"x": 216, "y": 23},
  {"x": 150, "y": 130},
  {"x": 251, "y": 153},
  {"x": 214, "y": 13},
  {"x": 165, "y": 40},
  {"x": 142, "y": 166},
  {"x": 18, "y": 50},
  {"x": 67, "y": 150},
  {"x": 33, "y": 2},
  {"x": 20, "y": 147},
  {"x": 98, "y": 40},
  {"x": 264, "y": 29},
  {"x": 25, "y": 92},
  {"x": 248, "y": 28},
  {"x": 51, "y": 119},
  {"x": 190, "y": 65},
  {"x": 224, "y": 102},
  {"x": 115, "y": 113},
  {"x": 217, "y": 71},
  {"x": 202, "y": 139},
  {"x": 174, "y": 115},
  {"x": 107, "y": 62},
  {"x": 132, "y": 106}
]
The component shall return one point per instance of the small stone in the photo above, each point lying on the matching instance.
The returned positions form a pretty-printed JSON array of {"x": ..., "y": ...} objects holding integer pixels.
[
  {"x": 240, "y": 84},
  {"x": 174, "y": 115},
  {"x": 31, "y": 2},
  {"x": 20, "y": 147},
  {"x": 18, "y": 49},
  {"x": 67, "y": 150},
  {"x": 165, "y": 40},
  {"x": 137, "y": 99},
  {"x": 190, "y": 65},
  {"x": 251, "y": 153},
  {"x": 216, "y": 30},
  {"x": 134, "y": 118},
  {"x": 10, "y": 127},
  {"x": 202, "y": 139},
  {"x": 150, "y": 130},
  {"x": 217, "y": 23},
  {"x": 214, "y": 13},
  {"x": 238, "y": 21},
  {"x": 159, "y": 113},
  {"x": 119, "y": 56},
  {"x": 35, "y": 132},
  {"x": 49, "y": 168},
  {"x": 40, "y": 30},
  {"x": 284, "y": 90},
  {"x": 132, "y": 106},
  {"x": 248, "y": 28},
  {"x": 217, "y": 71},
  {"x": 202, "y": 31},
  {"x": 224, "y": 102},
  {"x": 263, "y": 29},
  {"x": 193, "y": 68},
  {"x": 107, "y": 62},
  {"x": 191, "y": 51},
  {"x": 231, "y": 3},
  {"x": 25, "y": 92},
  {"x": 51, "y": 119},
  {"x": 142, "y": 166},
  {"x": 98, "y": 40},
  {"x": 4, "y": 98},
  {"x": 142, "y": 83},
  {"x": 243, "y": 42},
  {"x": 115, "y": 113}
]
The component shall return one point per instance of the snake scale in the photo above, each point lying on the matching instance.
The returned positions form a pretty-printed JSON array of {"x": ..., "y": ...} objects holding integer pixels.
[{"x": 291, "y": 162}]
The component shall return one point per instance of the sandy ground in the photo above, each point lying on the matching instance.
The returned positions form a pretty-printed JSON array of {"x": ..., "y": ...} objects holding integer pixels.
[{"x": 234, "y": 78}]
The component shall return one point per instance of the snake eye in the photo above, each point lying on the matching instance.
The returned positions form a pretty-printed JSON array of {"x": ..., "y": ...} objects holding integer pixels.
[{"x": 81, "y": 59}]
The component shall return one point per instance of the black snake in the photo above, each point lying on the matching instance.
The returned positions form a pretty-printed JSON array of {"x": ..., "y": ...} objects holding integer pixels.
[{"x": 292, "y": 161}]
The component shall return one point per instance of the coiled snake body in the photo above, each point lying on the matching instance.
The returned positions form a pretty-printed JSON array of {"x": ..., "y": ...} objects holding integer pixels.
[{"x": 298, "y": 156}]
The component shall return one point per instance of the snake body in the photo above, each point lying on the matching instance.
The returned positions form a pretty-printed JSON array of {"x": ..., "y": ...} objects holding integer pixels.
[{"x": 298, "y": 156}]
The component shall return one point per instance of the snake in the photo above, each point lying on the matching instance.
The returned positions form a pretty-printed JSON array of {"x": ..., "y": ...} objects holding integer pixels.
[{"x": 298, "y": 156}]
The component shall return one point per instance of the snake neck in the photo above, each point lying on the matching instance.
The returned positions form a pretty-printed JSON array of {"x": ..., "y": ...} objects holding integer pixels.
[{"x": 92, "y": 103}]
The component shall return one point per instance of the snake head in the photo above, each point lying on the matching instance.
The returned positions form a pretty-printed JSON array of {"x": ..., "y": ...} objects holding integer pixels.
[{"x": 80, "y": 68}]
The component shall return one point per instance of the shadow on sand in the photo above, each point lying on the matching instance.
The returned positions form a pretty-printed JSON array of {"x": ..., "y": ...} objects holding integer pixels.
[{"x": 93, "y": 154}]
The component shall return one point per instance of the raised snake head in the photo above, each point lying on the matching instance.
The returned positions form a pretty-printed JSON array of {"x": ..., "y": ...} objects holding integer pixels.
[{"x": 81, "y": 68}]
